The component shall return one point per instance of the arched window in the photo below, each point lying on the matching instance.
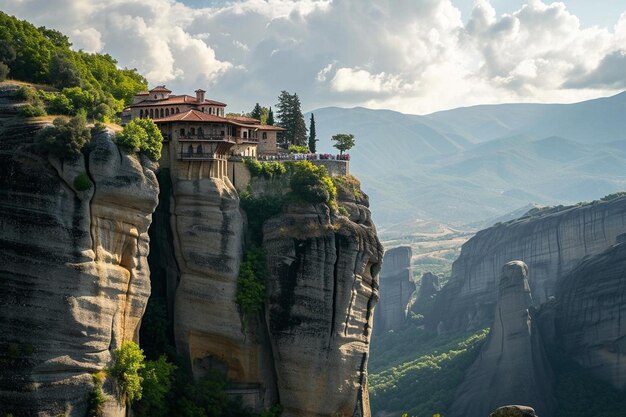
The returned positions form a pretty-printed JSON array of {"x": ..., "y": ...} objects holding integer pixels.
[
  {"x": 199, "y": 150},
  {"x": 264, "y": 135},
  {"x": 167, "y": 112},
  {"x": 182, "y": 132},
  {"x": 189, "y": 150},
  {"x": 155, "y": 97},
  {"x": 200, "y": 132},
  {"x": 177, "y": 110},
  {"x": 141, "y": 114},
  {"x": 192, "y": 131},
  {"x": 172, "y": 110},
  {"x": 162, "y": 113},
  {"x": 151, "y": 113}
]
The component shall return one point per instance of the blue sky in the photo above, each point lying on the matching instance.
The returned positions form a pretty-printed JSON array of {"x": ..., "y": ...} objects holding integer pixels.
[{"x": 414, "y": 56}]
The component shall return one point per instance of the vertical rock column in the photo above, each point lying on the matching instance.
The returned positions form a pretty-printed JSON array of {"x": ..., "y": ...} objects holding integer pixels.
[{"x": 512, "y": 366}]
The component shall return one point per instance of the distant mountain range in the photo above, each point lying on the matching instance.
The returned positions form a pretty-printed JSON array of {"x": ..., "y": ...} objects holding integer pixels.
[{"x": 471, "y": 164}]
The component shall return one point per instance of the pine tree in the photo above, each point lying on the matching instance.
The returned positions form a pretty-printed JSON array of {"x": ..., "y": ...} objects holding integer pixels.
[
  {"x": 290, "y": 117},
  {"x": 270, "y": 118},
  {"x": 256, "y": 112},
  {"x": 312, "y": 135}
]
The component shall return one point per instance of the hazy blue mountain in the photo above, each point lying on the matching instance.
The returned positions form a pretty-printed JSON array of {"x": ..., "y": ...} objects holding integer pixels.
[{"x": 472, "y": 164}]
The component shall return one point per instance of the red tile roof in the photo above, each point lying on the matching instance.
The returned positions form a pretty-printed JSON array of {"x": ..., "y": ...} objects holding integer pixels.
[
  {"x": 244, "y": 119},
  {"x": 173, "y": 100},
  {"x": 200, "y": 117},
  {"x": 271, "y": 128},
  {"x": 160, "y": 89}
]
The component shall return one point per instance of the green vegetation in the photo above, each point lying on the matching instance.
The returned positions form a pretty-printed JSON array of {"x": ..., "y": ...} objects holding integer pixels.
[
  {"x": 4, "y": 71},
  {"x": 82, "y": 182},
  {"x": 156, "y": 384},
  {"x": 66, "y": 138},
  {"x": 580, "y": 394},
  {"x": 91, "y": 82},
  {"x": 142, "y": 135},
  {"x": 298, "y": 149},
  {"x": 251, "y": 283},
  {"x": 34, "y": 104},
  {"x": 128, "y": 361},
  {"x": 270, "y": 117},
  {"x": 96, "y": 397},
  {"x": 344, "y": 141},
  {"x": 311, "y": 183},
  {"x": 256, "y": 112},
  {"x": 417, "y": 372},
  {"x": 348, "y": 185},
  {"x": 267, "y": 170},
  {"x": 291, "y": 118},
  {"x": 312, "y": 135}
]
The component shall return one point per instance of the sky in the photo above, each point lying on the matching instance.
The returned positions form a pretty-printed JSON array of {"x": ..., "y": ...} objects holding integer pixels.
[{"x": 413, "y": 56}]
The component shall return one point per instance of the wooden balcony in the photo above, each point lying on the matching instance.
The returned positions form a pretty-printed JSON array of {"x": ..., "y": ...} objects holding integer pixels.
[
  {"x": 184, "y": 156},
  {"x": 207, "y": 138}
]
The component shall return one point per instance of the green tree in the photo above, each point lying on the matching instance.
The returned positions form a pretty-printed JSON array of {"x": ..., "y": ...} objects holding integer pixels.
[
  {"x": 128, "y": 363},
  {"x": 312, "y": 135},
  {"x": 142, "y": 135},
  {"x": 256, "y": 112},
  {"x": 344, "y": 141},
  {"x": 311, "y": 183},
  {"x": 66, "y": 138},
  {"x": 291, "y": 118},
  {"x": 62, "y": 71},
  {"x": 156, "y": 384},
  {"x": 270, "y": 117}
]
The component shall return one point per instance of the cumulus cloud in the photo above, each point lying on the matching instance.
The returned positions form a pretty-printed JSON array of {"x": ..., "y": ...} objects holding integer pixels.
[{"x": 405, "y": 55}]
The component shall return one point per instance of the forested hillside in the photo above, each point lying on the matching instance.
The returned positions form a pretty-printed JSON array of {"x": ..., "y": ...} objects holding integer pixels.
[{"x": 86, "y": 82}]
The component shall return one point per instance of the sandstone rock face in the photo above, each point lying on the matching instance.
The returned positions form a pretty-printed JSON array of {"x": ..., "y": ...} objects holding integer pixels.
[
  {"x": 429, "y": 287},
  {"x": 322, "y": 292},
  {"x": 512, "y": 365},
  {"x": 396, "y": 289},
  {"x": 551, "y": 245},
  {"x": 73, "y": 269},
  {"x": 590, "y": 303}
]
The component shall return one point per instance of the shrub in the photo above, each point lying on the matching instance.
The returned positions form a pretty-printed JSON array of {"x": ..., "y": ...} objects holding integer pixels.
[
  {"x": 59, "y": 104},
  {"x": 142, "y": 135},
  {"x": 343, "y": 211},
  {"x": 251, "y": 282},
  {"x": 258, "y": 210},
  {"x": 298, "y": 149},
  {"x": 4, "y": 71},
  {"x": 66, "y": 138},
  {"x": 127, "y": 365},
  {"x": 26, "y": 93},
  {"x": 268, "y": 170},
  {"x": 96, "y": 397},
  {"x": 82, "y": 182},
  {"x": 32, "y": 110},
  {"x": 311, "y": 183},
  {"x": 157, "y": 382}
]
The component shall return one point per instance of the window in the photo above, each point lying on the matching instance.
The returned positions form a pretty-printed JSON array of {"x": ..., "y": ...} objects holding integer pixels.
[
  {"x": 264, "y": 135},
  {"x": 167, "y": 112},
  {"x": 199, "y": 150},
  {"x": 172, "y": 110},
  {"x": 182, "y": 132},
  {"x": 155, "y": 96},
  {"x": 162, "y": 113},
  {"x": 192, "y": 131},
  {"x": 189, "y": 150},
  {"x": 200, "y": 132},
  {"x": 245, "y": 134},
  {"x": 177, "y": 110},
  {"x": 141, "y": 114},
  {"x": 151, "y": 113}
]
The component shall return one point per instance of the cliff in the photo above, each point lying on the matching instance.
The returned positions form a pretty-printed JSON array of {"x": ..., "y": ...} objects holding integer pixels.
[
  {"x": 550, "y": 243},
  {"x": 590, "y": 303},
  {"x": 396, "y": 289},
  {"x": 512, "y": 367},
  {"x": 308, "y": 348},
  {"x": 75, "y": 279}
]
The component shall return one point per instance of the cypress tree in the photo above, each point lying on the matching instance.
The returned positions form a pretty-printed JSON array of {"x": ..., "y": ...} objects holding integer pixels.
[
  {"x": 270, "y": 117},
  {"x": 312, "y": 135}
]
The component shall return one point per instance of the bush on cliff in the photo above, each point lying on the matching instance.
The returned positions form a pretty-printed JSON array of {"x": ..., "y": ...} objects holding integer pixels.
[
  {"x": 311, "y": 183},
  {"x": 128, "y": 361},
  {"x": 4, "y": 71},
  {"x": 142, "y": 135},
  {"x": 251, "y": 283},
  {"x": 66, "y": 138},
  {"x": 156, "y": 385}
]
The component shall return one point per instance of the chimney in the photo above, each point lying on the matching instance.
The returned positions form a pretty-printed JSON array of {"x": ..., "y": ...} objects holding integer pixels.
[{"x": 200, "y": 95}]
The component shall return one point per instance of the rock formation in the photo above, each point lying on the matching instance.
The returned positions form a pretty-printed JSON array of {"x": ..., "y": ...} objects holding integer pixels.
[
  {"x": 511, "y": 367},
  {"x": 429, "y": 287},
  {"x": 75, "y": 279},
  {"x": 590, "y": 303},
  {"x": 322, "y": 293},
  {"x": 551, "y": 244},
  {"x": 396, "y": 289}
]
